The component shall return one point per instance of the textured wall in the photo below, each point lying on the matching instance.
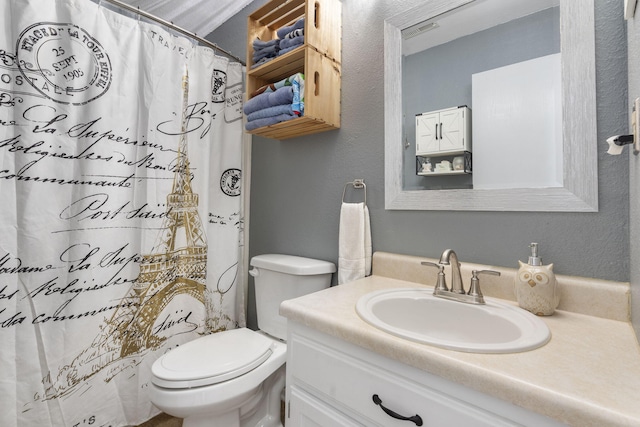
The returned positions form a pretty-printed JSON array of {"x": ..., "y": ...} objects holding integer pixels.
[{"x": 297, "y": 184}]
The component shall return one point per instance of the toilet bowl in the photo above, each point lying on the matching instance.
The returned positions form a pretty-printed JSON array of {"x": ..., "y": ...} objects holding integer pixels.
[
  {"x": 221, "y": 378},
  {"x": 235, "y": 378}
]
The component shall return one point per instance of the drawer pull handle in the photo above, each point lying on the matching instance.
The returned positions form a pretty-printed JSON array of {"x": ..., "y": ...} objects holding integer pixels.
[{"x": 416, "y": 418}]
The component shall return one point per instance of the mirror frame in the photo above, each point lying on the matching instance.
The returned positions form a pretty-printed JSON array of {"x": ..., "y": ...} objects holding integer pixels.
[{"x": 579, "y": 129}]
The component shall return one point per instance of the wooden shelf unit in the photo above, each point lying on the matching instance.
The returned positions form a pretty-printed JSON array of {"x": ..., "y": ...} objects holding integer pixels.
[{"x": 318, "y": 59}]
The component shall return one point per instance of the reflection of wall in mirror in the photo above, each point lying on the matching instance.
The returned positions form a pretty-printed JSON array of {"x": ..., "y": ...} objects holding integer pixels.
[
  {"x": 529, "y": 151},
  {"x": 440, "y": 77}
]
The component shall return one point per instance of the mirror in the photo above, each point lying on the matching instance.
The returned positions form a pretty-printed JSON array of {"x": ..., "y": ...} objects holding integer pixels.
[{"x": 578, "y": 188}]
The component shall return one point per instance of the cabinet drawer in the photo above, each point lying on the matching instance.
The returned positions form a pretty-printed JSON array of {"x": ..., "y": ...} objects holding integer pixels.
[
  {"x": 349, "y": 385},
  {"x": 308, "y": 411}
]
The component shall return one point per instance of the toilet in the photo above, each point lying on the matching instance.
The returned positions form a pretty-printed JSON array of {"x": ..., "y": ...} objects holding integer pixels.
[{"x": 235, "y": 378}]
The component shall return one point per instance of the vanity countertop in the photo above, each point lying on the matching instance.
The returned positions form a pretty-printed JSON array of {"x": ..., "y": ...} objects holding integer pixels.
[{"x": 587, "y": 375}]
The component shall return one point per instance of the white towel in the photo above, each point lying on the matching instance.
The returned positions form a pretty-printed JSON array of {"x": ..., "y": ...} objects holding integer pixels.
[
  {"x": 367, "y": 242},
  {"x": 354, "y": 246}
]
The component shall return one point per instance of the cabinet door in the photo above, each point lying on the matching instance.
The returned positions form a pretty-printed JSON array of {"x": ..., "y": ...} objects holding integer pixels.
[
  {"x": 307, "y": 411},
  {"x": 452, "y": 130},
  {"x": 427, "y": 134}
]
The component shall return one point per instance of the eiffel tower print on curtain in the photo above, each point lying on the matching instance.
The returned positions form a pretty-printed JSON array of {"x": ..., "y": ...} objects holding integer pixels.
[{"x": 177, "y": 264}]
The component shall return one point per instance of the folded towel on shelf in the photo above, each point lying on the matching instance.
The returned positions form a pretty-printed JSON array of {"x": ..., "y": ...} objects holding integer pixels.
[
  {"x": 283, "y": 31},
  {"x": 276, "y": 110},
  {"x": 354, "y": 242},
  {"x": 271, "y": 51},
  {"x": 294, "y": 34},
  {"x": 271, "y": 87},
  {"x": 286, "y": 43},
  {"x": 289, "y": 49},
  {"x": 295, "y": 81},
  {"x": 260, "y": 44},
  {"x": 265, "y": 57},
  {"x": 263, "y": 51},
  {"x": 275, "y": 102},
  {"x": 261, "y": 61},
  {"x": 268, "y": 121},
  {"x": 289, "y": 37},
  {"x": 283, "y": 95}
]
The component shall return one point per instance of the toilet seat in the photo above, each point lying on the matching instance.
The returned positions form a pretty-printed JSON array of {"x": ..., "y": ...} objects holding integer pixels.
[{"x": 212, "y": 359}]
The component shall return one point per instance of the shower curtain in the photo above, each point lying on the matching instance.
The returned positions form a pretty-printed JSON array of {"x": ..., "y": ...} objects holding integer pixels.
[{"x": 120, "y": 208}]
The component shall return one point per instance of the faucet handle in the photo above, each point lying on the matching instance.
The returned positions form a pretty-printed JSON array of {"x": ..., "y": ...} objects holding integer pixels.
[
  {"x": 492, "y": 272},
  {"x": 430, "y": 264},
  {"x": 441, "y": 284},
  {"x": 474, "y": 289}
]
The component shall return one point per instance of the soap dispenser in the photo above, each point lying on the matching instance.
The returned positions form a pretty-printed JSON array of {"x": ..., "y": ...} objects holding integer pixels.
[{"x": 536, "y": 286}]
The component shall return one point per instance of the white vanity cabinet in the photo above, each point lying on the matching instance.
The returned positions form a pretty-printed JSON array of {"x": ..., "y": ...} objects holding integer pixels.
[
  {"x": 443, "y": 132},
  {"x": 333, "y": 383}
]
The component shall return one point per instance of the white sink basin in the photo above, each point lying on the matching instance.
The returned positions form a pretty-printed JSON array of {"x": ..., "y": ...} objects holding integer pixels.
[{"x": 415, "y": 314}]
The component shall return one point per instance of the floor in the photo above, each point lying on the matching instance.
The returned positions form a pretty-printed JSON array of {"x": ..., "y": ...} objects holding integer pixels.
[{"x": 163, "y": 420}]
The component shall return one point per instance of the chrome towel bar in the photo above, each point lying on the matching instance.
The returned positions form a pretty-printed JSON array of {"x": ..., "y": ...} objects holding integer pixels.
[{"x": 357, "y": 184}]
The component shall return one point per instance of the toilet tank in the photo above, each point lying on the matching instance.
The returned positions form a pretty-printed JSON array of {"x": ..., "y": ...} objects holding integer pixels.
[{"x": 282, "y": 277}]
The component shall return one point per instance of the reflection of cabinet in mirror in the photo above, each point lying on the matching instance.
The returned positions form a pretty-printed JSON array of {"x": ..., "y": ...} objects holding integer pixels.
[
  {"x": 428, "y": 165},
  {"x": 443, "y": 132}
]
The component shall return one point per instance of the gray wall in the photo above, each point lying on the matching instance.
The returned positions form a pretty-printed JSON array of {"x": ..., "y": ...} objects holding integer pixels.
[{"x": 297, "y": 184}]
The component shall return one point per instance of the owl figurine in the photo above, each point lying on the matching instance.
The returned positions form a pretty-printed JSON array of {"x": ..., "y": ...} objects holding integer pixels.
[{"x": 537, "y": 289}]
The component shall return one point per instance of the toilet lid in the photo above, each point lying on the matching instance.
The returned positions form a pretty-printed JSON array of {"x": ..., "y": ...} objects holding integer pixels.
[{"x": 211, "y": 359}]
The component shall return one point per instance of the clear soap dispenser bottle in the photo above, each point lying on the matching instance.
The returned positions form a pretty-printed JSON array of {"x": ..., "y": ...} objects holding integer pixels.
[{"x": 536, "y": 286}]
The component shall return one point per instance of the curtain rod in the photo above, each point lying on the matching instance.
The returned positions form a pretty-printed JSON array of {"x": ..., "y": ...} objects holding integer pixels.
[{"x": 171, "y": 25}]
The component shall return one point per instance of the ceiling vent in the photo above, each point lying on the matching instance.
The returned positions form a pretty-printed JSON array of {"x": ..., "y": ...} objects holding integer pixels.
[{"x": 418, "y": 29}]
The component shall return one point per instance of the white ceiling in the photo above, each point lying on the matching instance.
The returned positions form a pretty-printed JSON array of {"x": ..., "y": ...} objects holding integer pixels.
[
  {"x": 476, "y": 16},
  {"x": 197, "y": 16}
]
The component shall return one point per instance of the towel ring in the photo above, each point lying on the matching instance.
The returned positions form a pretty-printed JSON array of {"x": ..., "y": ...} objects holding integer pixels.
[{"x": 357, "y": 184}]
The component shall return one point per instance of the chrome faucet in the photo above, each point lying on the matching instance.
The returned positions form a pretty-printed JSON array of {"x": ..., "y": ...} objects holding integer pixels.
[{"x": 457, "y": 292}]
